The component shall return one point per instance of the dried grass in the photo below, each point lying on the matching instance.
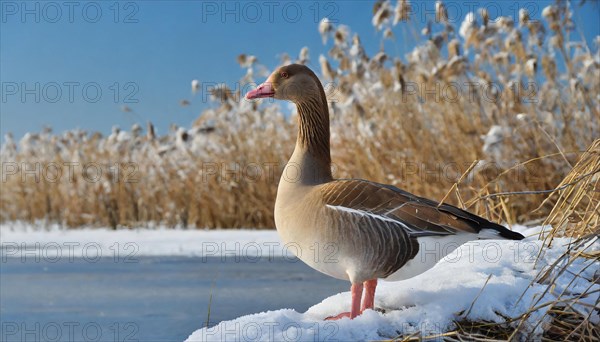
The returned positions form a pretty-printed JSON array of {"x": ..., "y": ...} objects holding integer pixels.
[
  {"x": 393, "y": 120},
  {"x": 566, "y": 318}
]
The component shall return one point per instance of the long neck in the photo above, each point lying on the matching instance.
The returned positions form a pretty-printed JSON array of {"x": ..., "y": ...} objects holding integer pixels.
[{"x": 312, "y": 146}]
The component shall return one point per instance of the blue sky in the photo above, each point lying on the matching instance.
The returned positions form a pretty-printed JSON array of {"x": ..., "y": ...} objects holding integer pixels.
[{"x": 101, "y": 55}]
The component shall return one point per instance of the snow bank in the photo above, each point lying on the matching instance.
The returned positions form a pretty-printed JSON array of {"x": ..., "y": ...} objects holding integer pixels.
[
  {"x": 431, "y": 301},
  {"x": 21, "y": 240}
]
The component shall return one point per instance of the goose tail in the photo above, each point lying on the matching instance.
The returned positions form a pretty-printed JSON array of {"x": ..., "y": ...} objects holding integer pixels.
[{"x": 496, "y": 231}]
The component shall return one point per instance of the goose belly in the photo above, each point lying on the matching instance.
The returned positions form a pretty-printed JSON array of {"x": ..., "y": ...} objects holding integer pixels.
[
  {"x": 431, "y": 250},
  {"x": 314, "y": 251},
  {"x": 324, "y": 258}
]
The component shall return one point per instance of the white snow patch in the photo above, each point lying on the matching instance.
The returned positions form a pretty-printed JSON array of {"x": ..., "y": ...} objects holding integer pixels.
[{"x": 21, "y": 240}]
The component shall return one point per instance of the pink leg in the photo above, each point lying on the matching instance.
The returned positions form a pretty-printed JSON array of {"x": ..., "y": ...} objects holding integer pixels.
[
  {"x": 356, "y": 290},
  {"x": 369, "y": 300}
]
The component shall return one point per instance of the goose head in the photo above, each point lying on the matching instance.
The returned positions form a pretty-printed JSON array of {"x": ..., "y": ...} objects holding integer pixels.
[
  {"x": 294, "y": 82},
  {"x": 298, "y": 84}
]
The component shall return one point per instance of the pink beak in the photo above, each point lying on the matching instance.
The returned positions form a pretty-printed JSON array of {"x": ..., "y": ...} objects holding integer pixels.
[{"x": 263, "y": 90}]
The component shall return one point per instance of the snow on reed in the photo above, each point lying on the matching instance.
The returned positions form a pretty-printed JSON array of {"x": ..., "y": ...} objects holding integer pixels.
[{"x": 520, "y": 99}]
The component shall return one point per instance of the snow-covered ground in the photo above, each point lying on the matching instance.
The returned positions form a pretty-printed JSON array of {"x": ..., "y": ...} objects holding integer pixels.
[{"x": 429, "y": 303}]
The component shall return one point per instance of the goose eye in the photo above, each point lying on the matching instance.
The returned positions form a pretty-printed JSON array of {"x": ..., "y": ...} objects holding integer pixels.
[{"x": 284, "y": 74}]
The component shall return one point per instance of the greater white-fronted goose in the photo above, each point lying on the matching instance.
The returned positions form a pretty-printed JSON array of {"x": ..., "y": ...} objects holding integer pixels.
[{"x": 354, "y": 229}]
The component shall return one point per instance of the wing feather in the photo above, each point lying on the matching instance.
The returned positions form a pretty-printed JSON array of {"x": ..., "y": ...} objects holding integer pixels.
[{"x": 384, "y": 203}]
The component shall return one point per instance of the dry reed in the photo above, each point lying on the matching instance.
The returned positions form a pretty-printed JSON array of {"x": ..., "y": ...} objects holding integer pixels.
[{"x": 473, "y": 93}]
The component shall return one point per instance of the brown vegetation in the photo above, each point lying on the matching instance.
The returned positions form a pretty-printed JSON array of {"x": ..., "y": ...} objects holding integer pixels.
[{"x": 503, "y": 107}]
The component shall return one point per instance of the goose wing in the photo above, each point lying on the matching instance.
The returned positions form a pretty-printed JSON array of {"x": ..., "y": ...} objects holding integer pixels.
[{"x": 384, "y": 204}]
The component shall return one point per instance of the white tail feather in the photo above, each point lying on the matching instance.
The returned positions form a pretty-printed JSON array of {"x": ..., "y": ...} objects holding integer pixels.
[{"x": 487, "y": 233}]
